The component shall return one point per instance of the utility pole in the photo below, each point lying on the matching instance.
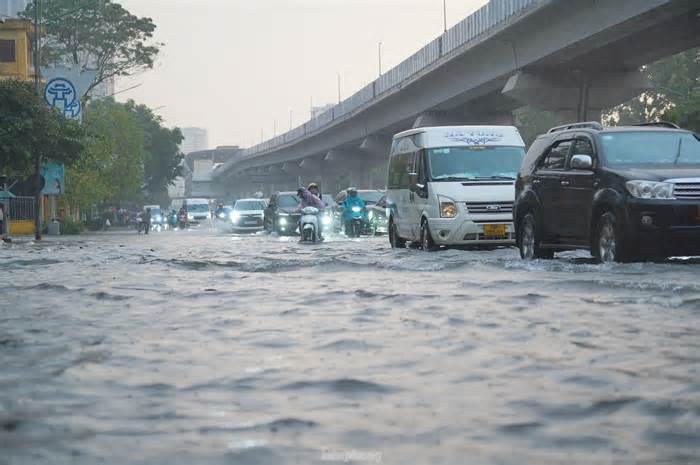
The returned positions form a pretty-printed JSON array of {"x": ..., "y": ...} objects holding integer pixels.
[
  {"x": 444, "y": 13},
  {"x": 380, "y": 59},
  {"x": 274, "y": 129},
  {"x": 339, "y": 88},
  {"x": 290, "y": 119},
  {"x": 37, "y": 156}
]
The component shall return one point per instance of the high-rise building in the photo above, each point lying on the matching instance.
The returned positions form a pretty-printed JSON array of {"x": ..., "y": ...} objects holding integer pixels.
[
  {"x": 196, "y": 139},
  {"x": 10, "y": 8}
]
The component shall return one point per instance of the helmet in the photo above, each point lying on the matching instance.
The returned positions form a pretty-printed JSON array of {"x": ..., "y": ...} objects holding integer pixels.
[
  {"x": 313, "y": 185},
  {"x": 350, "y": 190},
  {"x": 300, "y": 191}
]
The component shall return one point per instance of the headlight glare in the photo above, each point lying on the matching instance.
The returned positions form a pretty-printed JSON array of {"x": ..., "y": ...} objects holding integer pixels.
[
  {"x": 326, "y": 220},
  {"x": 448, "y": 207},
  {"x": 283, "y": 221},
  {"x": 650, "y": 189}
]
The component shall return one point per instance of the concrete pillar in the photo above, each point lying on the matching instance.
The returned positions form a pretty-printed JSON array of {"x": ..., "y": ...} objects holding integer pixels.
[{"x": 575, "y": 96}]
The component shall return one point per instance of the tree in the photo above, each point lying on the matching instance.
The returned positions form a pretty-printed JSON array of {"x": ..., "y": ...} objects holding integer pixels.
[
  {"x": 97, "y": 35},
  {"x": 29, "y": 129},
  {"x": 112, "y": 169},
  {"x": 675, "y": 94},
  {"x": 162, "y": 155},
  {"x": 532, "y": 122}
]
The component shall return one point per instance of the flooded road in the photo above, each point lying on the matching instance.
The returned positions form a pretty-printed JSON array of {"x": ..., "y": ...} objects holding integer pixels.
[{"x": 198, "y": 347}]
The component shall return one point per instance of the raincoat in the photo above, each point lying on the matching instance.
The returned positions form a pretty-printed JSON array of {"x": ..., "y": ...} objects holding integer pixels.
[
  {"x": 350, "y": 202},
  {"x": 310, "y": 200}
]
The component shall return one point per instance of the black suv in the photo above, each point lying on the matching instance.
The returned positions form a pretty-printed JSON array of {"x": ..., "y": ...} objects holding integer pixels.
[
  {"x": 624, "y": 193},
  {"x": 282, "y": 213}
]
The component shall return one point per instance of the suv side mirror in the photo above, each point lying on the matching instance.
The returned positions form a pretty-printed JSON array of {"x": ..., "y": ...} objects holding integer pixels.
[{"x": 581, "y": 162}]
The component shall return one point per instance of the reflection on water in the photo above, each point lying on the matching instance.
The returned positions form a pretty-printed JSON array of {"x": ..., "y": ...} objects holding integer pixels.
[{"x": 199, "y": 347}]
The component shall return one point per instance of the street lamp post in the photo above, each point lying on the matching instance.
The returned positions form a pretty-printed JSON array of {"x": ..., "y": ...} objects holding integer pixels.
[
  {"x": 444, "y": 13},
  {"x": 339, "y": 88},
  {"x": 380, "y": 58},
  {"x": 37, "y": 156}
]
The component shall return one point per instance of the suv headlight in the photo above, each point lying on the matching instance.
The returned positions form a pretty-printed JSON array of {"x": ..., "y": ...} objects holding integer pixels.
[
  {"x": 650, "y": 189},
  {"x": 448, "y": 207}
]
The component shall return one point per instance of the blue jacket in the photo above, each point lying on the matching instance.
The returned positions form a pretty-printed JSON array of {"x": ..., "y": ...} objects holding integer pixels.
[{"x": 352, "y": 202}]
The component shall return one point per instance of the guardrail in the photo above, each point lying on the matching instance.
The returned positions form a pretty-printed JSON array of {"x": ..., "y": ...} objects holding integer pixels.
[{"x": 471, "y": 28}]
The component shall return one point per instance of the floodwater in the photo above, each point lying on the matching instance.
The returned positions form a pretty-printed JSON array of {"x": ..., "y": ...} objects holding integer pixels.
[{"x": 199, "y": 347}]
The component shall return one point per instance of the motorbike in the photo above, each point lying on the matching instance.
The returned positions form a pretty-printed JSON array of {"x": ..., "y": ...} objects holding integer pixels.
[
  {"x": 182, "y": 220},
  {"x": 353, "y": 226},
  {"x": 309, "y": 225}
]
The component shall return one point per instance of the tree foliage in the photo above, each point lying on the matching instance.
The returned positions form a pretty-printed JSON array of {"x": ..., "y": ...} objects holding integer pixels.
[
  {"x": 29, "y": 129},
  {"x": 98, "y": 35},
  {"x": 675, "y": 94},
  {"x": 162, "y": 156}
]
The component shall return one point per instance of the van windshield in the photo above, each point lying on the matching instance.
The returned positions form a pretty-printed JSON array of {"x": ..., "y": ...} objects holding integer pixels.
[
  {"x": 651, "y": 148},
  {"x": 198, "y": 207},
  {"x": 474, "y": 163}
]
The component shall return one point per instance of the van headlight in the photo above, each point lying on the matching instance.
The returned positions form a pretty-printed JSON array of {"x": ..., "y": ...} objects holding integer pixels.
[
  {"x": 190, "y": 216},
  {"x": 448, "y": 207},
  {"x": 234, "y": 217},
  {"x": 650, "y": 190}
]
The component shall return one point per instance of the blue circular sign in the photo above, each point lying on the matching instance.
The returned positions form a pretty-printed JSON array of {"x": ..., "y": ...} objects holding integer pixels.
[{"x": 60, "y": 94}]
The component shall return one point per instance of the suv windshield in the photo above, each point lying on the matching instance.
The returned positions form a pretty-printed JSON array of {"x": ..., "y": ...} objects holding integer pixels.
[
  {"x": 287, "y": 201},
  {"x": 198, "y": 207},
  {"x": 472, "y": 163},
  {"x": 651, "y": 148},
  {"x": 155, "y": 211},
  {"x": 249, "y": 205}
]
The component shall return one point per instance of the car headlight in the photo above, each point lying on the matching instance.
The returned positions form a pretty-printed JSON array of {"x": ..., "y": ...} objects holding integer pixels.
[
  {"x": 448, "y": 207},
  {"x": 326, "y": 220},
  {"x": 234, "y": 216},
  {"x": 159, "y": 218},
  {"x": 650, "y": 189},
  {"x": 222, "y": 215},
  {"x": 283, "y": 221},
  {"x": 356, "y": 209},
  {"x": 190, "y": 216}
]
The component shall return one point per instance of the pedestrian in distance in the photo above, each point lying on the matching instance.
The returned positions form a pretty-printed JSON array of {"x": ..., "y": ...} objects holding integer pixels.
[
  {"x": 2, "y": 222},
  {"x": 147, "y": 221}
]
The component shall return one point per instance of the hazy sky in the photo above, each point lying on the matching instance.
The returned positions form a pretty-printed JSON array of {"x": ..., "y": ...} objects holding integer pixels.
[{"x": 235, "y": 66}]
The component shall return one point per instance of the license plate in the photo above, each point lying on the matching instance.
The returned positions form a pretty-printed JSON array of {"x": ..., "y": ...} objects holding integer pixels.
[
  {"x": 495, "y": 230},
  {"x": 251, "y": 222}
]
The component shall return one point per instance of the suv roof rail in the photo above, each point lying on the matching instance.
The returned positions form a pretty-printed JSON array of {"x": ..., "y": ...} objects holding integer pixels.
[
  {"x": 588, "y": 124},
  {"x": 661, "y": 124}
]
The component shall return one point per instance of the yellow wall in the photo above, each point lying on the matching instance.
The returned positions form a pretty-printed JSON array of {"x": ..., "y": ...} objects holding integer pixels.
[
  {"x": 21, "y": 228},
  {"x": 19, "y": 31}
]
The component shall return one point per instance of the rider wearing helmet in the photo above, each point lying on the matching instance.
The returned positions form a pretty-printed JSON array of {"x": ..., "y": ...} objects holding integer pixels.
[
  {"x": 219, "y": 212},
  {"x": 352, "y": 200},
  {"x": 308, "y": 199}
]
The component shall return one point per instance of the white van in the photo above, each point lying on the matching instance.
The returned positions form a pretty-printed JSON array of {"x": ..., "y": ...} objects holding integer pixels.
[
  {"x": 197, "y": 210},
  {"x": 453, "y": 185}
]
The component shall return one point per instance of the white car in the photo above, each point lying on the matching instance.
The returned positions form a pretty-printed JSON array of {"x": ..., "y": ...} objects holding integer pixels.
[
  {"x": 453, "y": 185},
  {"x": 247, "y": 215}
]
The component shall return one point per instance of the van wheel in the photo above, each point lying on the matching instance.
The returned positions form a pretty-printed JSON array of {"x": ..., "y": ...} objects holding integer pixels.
[
  {"x": 529, "y": 240},
  {"x": 608, "y": 245},
  {"x": 426, "y": 239},
  {"x": 394, "y": 239}
]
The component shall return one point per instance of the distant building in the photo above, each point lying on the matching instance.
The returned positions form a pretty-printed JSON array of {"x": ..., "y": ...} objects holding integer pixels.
[
  {"x": 196, "y": 140},
  {"x": 11, "y": 8},
  {"x": 103, "y": 89},
  {"x": 16, "y": 50}
]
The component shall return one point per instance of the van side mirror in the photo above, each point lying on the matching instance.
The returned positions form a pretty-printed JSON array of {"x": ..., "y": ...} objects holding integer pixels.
[
  {"x": 412, "y": 181},
  {"x": 581, "y": 162}
]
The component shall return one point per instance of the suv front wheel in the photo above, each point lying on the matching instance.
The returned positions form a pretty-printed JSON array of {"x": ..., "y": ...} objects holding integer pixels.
[
  {"x": 608, "y": 245},
  {"x": 529, "y": 240}
]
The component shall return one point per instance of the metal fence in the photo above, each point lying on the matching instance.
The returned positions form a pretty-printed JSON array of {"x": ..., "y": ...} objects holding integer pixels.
[
  {"x": 475, "y": 27},
  {"x": 19, "y": 208}
]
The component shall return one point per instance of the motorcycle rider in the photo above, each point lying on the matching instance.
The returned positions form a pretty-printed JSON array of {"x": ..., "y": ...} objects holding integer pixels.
[
  {"x": 308, "y": 199},
  {"x": 182, "y": 217},
  {"x": 219, "y": 211},
  {"x": 352, "y": 200}
]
